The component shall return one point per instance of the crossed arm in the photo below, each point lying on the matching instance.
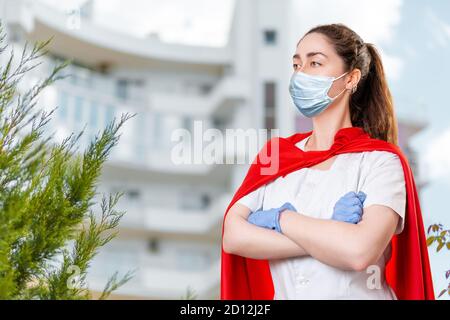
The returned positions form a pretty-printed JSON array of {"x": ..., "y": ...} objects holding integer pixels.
[{"x": 339, "y": 244}]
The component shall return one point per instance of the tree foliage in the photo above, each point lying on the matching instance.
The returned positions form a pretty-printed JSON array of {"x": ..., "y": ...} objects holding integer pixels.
[
  {"x": 50, "y": 229},
  {"x": 437, "y": 234}
]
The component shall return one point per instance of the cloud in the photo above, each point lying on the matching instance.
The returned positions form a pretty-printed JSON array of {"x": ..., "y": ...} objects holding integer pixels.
[
  {"x": 393, "y": 65},
  {"x": 439, "y": 31},
  {"x": 437, "y": 156},
  {"x": 64, "y": 5},
  {"x": 193, "y": 22},
  {"x": 374, "y": 21}
]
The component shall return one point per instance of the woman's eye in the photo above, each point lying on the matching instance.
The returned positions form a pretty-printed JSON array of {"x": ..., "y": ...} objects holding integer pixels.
[
  {"x": 315, "y": 64},
  {"x": 295, "y": 66}
]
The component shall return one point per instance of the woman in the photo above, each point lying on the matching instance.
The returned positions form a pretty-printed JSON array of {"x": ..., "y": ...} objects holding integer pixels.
[{"x": 321, "y": 226}]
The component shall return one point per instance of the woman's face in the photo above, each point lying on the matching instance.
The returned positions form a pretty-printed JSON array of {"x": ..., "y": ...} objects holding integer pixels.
[{"x": 316, "y": 56}]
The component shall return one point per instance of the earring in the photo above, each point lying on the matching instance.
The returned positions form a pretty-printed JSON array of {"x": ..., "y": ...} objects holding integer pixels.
[{"x": 354, "y": 89}]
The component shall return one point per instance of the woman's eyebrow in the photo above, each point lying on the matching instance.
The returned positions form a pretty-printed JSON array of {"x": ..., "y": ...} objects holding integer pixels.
[{"x": 310, "y": 54}]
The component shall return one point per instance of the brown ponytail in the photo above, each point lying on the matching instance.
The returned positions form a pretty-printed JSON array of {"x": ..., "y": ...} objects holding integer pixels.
[{"x": 371, "y": 106}]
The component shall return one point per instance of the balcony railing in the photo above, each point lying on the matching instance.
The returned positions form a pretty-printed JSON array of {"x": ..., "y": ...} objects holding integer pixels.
[
  {"x": 152, "y": 281},
  {"x": 171, "y": 220},
  {"x": 226, "y": 94}
]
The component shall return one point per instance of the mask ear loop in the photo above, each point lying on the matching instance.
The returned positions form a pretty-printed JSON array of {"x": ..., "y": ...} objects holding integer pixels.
[{"x": 342, "y": 90}]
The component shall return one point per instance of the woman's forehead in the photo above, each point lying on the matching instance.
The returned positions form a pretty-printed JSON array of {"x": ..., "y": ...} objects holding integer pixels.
[{"x": 314, "y": 42}]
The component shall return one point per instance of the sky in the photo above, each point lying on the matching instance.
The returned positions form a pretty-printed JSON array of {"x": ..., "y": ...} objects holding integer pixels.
[
  {"x": 194, "y": 22},
  {"x": 425, "y": 80},
  {"x": 413, "y": 37}
]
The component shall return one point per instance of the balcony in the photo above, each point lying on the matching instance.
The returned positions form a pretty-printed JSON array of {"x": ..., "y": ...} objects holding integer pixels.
[
  {"x": 177, "y": 221},
  {"x": 152, "y": 280},
  {"x": 222, "y": 100}
]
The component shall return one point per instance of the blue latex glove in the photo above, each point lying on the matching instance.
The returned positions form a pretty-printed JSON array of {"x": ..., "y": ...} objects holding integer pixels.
[
  {"x": 269, "y": 219},
  {"x": 349, "y": 208}
]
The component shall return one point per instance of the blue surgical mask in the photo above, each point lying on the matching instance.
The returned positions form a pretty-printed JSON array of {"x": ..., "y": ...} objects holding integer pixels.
[{"x": 310, "y": 93}]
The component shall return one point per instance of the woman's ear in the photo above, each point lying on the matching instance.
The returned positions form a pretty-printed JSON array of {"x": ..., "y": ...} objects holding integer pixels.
[{"x": 353, "y": 79}]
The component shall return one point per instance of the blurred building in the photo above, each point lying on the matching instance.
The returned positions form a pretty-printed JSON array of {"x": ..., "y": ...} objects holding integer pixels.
[{"x": 172, "y": 230}]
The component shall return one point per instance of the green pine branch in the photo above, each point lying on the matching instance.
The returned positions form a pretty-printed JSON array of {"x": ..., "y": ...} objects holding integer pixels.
[{"x": 49, "y": 232}]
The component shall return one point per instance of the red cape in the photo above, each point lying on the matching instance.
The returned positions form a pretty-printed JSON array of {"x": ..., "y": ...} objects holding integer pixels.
[{"x": 407, "y": 271}]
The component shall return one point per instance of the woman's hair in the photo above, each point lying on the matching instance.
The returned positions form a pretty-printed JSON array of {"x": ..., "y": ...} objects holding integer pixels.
[{"x": 371, "y": 106}]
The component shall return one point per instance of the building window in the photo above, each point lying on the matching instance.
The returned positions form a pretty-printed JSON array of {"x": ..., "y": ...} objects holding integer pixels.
[
  {"x": 141, "y": 132},
  {"x": 93, "y": 120},
  {"x": 110, "y": 114},
  {"x": 153, "y": 245},
  {"x": 15, "y": 34},
  {"x": 63, "y": 105},
  {"x": 133, "y": 194},
  {"x": 205, "y": 88},
  {"x": 193, "y": 201},
  {"x": 269, "y": 105},
  {"x": 187, "y": 123},
  {"x": 270, "y": 37},
  {"x": 205, "y": 200},
  {"x": 122, "y": 89},
  {"x": 219, "y": 123},
  {"x": 79, "y": 109},
  {"x": 94, "y": 115},
  {"x": 157, "y": 129},
  {"x": 130, "y": 89}
]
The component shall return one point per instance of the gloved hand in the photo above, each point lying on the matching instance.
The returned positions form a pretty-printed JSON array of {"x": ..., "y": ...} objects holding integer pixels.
[
  {"x": 349, "y": 208},
  {"x": 269, "y": 219}
]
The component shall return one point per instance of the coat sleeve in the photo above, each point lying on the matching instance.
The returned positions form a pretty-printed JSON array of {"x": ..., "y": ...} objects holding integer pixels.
[
  {"x": 253, "y": 200},
  {"x": 385, "y": 184}
]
